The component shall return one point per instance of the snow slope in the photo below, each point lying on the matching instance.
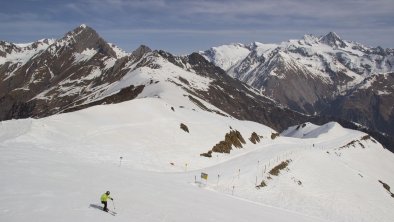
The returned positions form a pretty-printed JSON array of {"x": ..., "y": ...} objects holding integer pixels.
[
  {"x": 53, "y": 186},
  {"x": 310, "y": 130},
  {"x": 226, "y": 56},
  {"x": 299, "y": 131},
  {"x": 55, "y": 169}
]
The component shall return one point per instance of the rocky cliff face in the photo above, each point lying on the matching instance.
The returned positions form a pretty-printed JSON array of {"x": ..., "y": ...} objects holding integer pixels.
[{"x": 371, "y": 103}]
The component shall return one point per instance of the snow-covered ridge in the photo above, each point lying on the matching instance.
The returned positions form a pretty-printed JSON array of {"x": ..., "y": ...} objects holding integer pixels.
[
  {"x": 299, "y": 131},
  {"x": 161, "y": 79},
  {"x": 119, "y": 52},
  {"x": 14, "y": 52},
  {"x": 20, "y": 53},
  {"x": 227, "y": 56},
  {"x": 309, "y": 130}
]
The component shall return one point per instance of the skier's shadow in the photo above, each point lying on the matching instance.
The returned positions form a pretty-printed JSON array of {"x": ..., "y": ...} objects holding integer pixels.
[{"x": 96, "y": 206}]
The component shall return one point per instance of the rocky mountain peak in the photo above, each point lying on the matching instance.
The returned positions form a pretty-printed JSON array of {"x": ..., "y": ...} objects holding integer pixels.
[
  {"x": 333, "y": 40},
  {"x": 253, "y": 45},
  {"x": 84, "y": 37},
  {"x": 141, "y": 50},
  {"x": 310, "y": 39},
  {"x": 6, "y": 48},
  {"x": 81, "y": 32}
]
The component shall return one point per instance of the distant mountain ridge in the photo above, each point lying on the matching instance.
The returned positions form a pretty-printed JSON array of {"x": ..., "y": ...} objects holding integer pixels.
[
  {"x": 318, "y": 75},
  {"x": 81, "y": 70}
]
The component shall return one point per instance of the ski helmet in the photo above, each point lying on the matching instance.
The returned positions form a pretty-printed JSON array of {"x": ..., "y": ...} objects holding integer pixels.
[{"x": 107, "y": 192}]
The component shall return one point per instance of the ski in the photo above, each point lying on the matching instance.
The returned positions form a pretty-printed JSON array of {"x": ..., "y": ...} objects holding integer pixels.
[{"x": 113, "y": 213}]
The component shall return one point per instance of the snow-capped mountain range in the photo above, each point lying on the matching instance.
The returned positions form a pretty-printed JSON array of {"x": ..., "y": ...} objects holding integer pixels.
[
  {"x": 81, "y": 70},
  {"x": 318, "y": 75},
  {"x": 146, "y": 124}
]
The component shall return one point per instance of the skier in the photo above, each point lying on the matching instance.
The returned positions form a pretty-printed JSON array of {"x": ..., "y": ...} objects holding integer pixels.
[{"x": 104, "y": 199}]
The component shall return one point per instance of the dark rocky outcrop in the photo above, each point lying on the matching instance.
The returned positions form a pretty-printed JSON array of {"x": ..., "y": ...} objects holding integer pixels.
[
  {"x": 184, "y": 127},
  {"x": 370, "y": 106},
  {"x": 125, "y": 94},
  {"x": 254, "y": 138},
  {"x": 233, "y": 138}
]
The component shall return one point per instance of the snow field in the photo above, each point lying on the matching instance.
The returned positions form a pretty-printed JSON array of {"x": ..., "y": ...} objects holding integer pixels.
[
  {"x": 49, "y": 186},
  {"x": 60, "y": 165},
  {"x": 55, "y": 168}
]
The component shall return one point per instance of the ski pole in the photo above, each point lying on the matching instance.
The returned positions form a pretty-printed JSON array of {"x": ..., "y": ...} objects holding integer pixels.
[{"x": 113, "y": 203}]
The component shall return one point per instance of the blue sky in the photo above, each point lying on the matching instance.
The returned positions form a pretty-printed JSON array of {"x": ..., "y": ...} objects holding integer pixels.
[{"x": 184, "y": 26}]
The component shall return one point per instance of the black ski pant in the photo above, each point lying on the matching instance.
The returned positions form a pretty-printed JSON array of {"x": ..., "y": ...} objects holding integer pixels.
[{"x": 105, "y": 205}]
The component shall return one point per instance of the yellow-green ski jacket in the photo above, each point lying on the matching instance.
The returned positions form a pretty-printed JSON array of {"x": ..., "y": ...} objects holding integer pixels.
[{"x": 105, "y": 197}]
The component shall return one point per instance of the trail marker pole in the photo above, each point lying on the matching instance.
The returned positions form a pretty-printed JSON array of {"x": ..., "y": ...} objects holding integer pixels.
[{"x": 120, "y": 161}]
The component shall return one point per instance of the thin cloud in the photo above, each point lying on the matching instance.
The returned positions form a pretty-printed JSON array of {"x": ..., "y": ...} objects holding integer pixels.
[
  {"x": 310, "y": 8},
  {"x": 213, "y": 21}
]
